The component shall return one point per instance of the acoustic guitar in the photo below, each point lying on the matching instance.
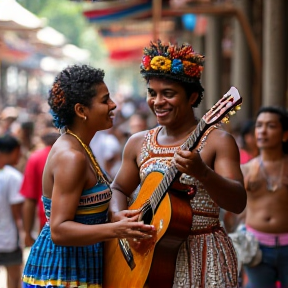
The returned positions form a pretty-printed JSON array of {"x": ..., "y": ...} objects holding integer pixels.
[{"x": 151, "y": 263}]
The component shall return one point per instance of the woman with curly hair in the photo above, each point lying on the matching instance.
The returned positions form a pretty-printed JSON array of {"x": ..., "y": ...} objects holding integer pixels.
[{"x": 76, "y": 192}]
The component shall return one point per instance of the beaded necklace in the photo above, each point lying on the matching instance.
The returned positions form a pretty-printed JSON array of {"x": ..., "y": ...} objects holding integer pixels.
[{"x": 92, "y": 158}]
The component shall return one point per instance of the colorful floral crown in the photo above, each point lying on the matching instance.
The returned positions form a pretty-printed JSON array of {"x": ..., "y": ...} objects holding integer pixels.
[{"x": 171, "y": 61}]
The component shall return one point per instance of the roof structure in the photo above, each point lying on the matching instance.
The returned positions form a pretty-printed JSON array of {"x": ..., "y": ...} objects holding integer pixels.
[
  {"x": 15, "y": 17},
  {"x": 127, "y": 26}
]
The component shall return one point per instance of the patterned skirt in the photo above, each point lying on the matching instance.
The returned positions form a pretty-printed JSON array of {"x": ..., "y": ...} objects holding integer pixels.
[
  {"x": 207, "y": 260},
  {"x": 51, "y": 265}
]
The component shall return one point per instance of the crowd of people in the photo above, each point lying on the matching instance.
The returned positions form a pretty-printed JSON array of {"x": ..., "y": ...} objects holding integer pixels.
[{"x": 69, "y": 174}]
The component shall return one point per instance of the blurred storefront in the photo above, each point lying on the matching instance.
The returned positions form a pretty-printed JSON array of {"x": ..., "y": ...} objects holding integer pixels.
[
  {"x": 31, "y": 53},
  {"x": 244, "y": 42}
]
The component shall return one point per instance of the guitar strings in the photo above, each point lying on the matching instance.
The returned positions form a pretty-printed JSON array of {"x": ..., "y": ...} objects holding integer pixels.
[
  {"x": 172, "y": 171},
  {"x": 160, "y": 190}
]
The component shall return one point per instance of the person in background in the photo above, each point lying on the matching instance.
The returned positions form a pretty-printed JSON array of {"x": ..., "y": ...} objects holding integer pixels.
[
  {"x": 266, "y": 183},
  {"x": 211, "y": 173},
  {"x": 249, "y": 148},
  {"x": 8, "y": 116},
  {"x": 76, "y": 193},
  {"x": 138, "y": 122},
  {"x": 107, "y": 150},
  {"x": 31, "y": 187},
  {"x": 24, "y": 131},
  {"x": 10, "y": 210}
]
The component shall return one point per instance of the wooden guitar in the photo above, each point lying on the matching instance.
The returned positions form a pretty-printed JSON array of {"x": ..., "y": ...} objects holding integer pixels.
[{"x": 151, "y": 263}]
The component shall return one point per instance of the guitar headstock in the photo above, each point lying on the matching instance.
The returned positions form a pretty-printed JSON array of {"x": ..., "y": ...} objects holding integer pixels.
[{"x": 224, "y": 108}]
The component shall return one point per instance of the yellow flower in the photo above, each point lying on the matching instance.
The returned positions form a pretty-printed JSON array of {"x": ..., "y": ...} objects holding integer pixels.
[{"x": 160, "y": 63}]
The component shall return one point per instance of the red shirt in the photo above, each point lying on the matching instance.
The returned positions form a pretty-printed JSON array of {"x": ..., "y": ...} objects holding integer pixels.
[
  {"x": 244, "y": 156},
  {"x": 32, "y": 181}
]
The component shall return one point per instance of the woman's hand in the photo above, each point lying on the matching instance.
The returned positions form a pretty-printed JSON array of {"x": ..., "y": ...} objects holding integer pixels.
[
  {"x": 120, "y": 215},
  {"x": 130, "y": 227}
]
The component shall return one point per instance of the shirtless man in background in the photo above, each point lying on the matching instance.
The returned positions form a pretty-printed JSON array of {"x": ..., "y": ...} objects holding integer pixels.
[{"x": 266, "y": 183}]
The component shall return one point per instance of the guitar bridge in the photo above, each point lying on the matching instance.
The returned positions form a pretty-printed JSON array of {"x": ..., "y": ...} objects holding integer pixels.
[{"x": 127, "y": 253}]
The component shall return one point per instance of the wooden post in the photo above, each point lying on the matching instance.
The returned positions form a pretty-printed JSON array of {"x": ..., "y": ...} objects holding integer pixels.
[
  {"x": 251, "y": 41},
  {"x": 157, "y": 14},
  {"x": 274, "y": 53}
]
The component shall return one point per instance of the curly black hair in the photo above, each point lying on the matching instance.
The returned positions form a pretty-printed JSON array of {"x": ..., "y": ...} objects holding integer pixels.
[
  {"x": 75, "y": 84},
  {"x": 188, "y": 87},
  {"x": 283, "y": 118}
]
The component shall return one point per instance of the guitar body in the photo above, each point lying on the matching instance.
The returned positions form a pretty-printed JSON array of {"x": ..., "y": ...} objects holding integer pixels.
[
  {"x": 151, "y": 263},
  {"x": 154, "y": 259}
]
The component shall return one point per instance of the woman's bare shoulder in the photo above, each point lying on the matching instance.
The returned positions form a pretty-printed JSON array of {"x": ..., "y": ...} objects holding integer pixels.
[
  {"x": 136, "y": 139},
  {"x": 64, "y": 154}
]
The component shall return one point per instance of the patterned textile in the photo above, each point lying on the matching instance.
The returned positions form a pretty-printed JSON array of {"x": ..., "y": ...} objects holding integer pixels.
[
  {"x": 51, "y": 265},
  {"x": 207, "y": 259}
]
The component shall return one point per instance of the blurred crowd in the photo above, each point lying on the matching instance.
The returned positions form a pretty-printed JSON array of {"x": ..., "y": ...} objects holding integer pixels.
[{"x": 32, "y": 128}]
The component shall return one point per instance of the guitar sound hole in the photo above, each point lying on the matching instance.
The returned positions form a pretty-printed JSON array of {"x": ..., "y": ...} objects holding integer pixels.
[{"x": 147, "y": 214}]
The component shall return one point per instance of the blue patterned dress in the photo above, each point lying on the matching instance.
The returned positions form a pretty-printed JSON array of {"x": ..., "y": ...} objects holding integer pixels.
[{"x": 51, "y": 265}]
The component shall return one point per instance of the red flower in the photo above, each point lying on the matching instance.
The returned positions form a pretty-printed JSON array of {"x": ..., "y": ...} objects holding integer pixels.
[{"x": 146, "y": 62}]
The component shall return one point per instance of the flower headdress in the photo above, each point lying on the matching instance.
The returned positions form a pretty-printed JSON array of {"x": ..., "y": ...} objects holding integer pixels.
[{"x": 171, "y": 61}]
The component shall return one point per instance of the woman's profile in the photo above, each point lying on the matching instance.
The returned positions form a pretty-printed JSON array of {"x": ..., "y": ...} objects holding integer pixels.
[{"x": 76, "y": 192}]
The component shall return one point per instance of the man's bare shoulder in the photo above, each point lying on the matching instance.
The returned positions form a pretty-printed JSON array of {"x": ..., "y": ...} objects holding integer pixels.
[
  {"x": 220, "y": 133},
  {"x": 134, "y": 143},
  {"x": 221, "y": 139},
  {"x": 249, "y": 165},
  {"x": 137, "y": 138}
]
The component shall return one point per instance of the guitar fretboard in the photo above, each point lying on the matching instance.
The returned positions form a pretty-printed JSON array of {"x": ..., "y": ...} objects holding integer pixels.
[{"x": 171, "y": 172}]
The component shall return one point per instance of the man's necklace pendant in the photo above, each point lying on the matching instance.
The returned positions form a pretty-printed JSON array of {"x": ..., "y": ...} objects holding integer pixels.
[
  {"x": 272, "y": 187},
  {"x": 271, "y": 184}
]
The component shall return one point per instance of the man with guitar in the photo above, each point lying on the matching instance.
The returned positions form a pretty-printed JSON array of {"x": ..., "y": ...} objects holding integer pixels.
[{"x": 200, "y": 164}]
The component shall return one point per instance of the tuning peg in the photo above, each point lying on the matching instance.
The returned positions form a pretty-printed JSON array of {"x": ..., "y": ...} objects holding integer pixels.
[
  {"x": 238, "y": 107},
  {"x": 232, "y": 112},
  {"x": 225, "y": 120}
]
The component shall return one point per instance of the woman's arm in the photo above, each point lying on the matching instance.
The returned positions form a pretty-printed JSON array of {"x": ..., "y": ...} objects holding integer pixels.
[
  {"x": 127, "y": 178},
  {"x": 69, "y": 181}
]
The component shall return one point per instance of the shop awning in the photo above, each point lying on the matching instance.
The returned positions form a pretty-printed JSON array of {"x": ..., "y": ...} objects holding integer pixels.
[
  {"x": 15, "y": 17},
  {"x": 116, "y": 22},
  {"x": 127, "y": 47},
  {"x": 118, "y": 10}
]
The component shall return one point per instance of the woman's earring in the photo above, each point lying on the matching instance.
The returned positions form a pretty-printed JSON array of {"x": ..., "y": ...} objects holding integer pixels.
[{"x": 85, "y": 118}]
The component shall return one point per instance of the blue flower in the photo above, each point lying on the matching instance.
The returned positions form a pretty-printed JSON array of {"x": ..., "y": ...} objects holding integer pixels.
[
  {"x": 177, "y": 66},
  {"x": 56, "y": 120}
]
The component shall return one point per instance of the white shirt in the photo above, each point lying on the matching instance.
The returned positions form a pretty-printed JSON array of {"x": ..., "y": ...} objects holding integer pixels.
[
  {"x": 10, "y": 183},
  {"x": 104, "y": 147}
]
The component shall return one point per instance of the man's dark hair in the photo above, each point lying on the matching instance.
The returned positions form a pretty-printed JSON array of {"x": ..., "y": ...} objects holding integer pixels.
[
  {"x": 281, "y": 112},
  {"x": 283, "y": 118},
  {"x": 8, "y": 143},
  {"x": 248, "y": 128}
]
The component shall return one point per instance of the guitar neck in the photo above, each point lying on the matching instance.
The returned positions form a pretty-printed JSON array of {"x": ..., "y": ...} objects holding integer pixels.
[{"x": 172, "y": 171}]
